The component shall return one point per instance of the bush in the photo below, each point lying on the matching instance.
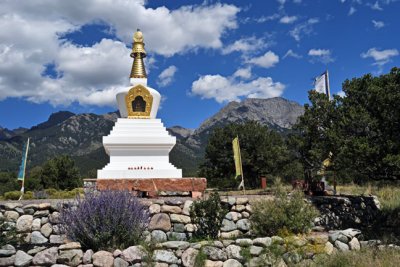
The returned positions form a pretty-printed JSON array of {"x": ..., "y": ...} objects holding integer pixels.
[
  {"x": 283, "y": 214},
  {"x": 106, "y": 220},
  {"x": 12, "y": 195},
  {"x": 207, "y": 215}
]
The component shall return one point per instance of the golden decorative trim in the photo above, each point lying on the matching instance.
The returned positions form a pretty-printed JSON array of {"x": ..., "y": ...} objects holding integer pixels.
[{"x": 144, "y": 102}]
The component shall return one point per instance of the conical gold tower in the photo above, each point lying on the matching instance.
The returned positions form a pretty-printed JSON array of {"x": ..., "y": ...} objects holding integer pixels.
[{"x": 138, "y": 54}]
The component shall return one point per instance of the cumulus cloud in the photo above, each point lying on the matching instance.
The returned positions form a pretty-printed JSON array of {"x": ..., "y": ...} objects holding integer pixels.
[
  {"x": 381, "y": 57},
  {"x": 290, "y": 53},
  {"x": 305, "y": 28},
  {"x": 352, "y": 10},
  {"x": 288, "y": 19},
  {"x": 244, "y": 73},
  {"x": 224, "y": 89},
  {"x": 321, "y": 55},
  {"x": 375, "y": 6},
  {"x": 32, "y": 40},
  {"x": 246, "y": 45},
  {"x": 268, "y": 60},
  {"x": 378, "y": 24},
  {"x": 167, "y": 76}
]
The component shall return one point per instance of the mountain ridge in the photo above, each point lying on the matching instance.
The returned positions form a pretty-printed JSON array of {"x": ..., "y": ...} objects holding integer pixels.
[{"x": 80, "y": 135}]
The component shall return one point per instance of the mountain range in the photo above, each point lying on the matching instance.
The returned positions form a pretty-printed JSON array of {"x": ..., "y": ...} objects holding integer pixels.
[{"x": 80, "y": 135}]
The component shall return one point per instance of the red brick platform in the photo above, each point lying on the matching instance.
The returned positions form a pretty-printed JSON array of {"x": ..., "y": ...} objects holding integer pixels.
[{"x": 152, "y": 186}]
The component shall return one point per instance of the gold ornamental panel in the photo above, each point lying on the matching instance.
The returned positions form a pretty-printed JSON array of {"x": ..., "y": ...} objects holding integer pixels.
[{"x": 139, "y": 102}]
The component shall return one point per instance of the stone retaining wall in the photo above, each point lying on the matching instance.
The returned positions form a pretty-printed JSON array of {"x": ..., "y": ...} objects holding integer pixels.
[
  {"x": 342, "y": 212},
  {"x": 262, "y": 251},
  {"x": 170, "y": 220}
]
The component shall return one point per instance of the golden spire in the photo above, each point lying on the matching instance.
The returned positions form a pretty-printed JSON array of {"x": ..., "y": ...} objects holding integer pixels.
[{"x": 138, "y": 54}]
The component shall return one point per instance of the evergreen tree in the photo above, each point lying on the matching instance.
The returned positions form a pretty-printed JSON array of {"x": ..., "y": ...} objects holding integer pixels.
[
  {"x": 60, "y": 173},
  {"x": 263, "y": 151}
]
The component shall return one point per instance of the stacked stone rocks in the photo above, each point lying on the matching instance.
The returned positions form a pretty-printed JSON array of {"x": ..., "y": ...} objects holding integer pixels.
[
  {"x": 342, "y": 212},
  {"x": 170, "y": 219},
  {"x": 236, "y": 222},
  {"x": 37, "y": 224},
  {"x": 225, "y": 253}
]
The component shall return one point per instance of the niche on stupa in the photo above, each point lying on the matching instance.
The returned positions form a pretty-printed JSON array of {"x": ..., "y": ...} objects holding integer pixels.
[{"x": 138, "y": 102}]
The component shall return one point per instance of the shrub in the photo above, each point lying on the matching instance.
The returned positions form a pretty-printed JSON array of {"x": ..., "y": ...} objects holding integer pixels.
[
  {"x": 12, "y": 195},
  {"x": 283, "y": 214},
  {"x": 105, "y": 220},
  {"x": 29, "y": 195},
  {"x": 207, "y": 215},
  {"x": 41, "y": 194}
]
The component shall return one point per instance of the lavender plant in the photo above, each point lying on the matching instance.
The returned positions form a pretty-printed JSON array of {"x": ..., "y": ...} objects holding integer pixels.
[{"x": 105, "y": 220}]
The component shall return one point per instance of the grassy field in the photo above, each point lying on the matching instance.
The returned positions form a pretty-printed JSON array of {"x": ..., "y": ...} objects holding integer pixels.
[
  {"x": 388, "y": 195},
  {"x": 364, "y": 258}
]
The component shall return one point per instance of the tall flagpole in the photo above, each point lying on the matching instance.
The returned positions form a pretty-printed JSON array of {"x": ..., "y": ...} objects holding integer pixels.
[
  {"x": 23, "y": 175},
  {"x": 241, "y": 169},
  {"x": 327, "y": 86}
]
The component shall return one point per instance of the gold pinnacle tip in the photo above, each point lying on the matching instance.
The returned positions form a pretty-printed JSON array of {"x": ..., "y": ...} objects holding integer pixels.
[{"x": 138, "y": 53}]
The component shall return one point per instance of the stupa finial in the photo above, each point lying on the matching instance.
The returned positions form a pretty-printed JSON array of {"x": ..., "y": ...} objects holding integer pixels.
[{"x": 138, "y": 53}]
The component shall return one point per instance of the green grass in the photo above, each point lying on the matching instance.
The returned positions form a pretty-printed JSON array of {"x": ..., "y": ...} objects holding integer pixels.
[
  {"x": 364, "y": 258},
  {"x": 388, "y": 195},
  {"x": 47, "y": 194}
]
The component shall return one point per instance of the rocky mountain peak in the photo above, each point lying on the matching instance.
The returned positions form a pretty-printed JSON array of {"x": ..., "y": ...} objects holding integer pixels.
[{"x": 54, "y": 119}]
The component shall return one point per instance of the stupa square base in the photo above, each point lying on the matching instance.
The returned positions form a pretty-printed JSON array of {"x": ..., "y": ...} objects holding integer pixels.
[{"x": 152, "y": 186}]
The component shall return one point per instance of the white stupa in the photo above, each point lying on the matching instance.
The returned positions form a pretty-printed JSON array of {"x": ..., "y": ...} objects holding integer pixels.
[{"x": 138, "y": 144}]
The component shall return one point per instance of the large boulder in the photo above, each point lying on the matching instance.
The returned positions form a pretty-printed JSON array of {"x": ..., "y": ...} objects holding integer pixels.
[
  {"x": 189, "y": 257},
  {"x": 22, "y": 259},
  {"x": 24, "y": 223},
  {"x": 233, "y": 252},
  {"x": 232, "y": 263},
  {"x": 71, "y": 257},
  {"x": 87, "y": 257},
  {"x": 214, "y": 254},
  {"x": 160, "y": 221},
  {"x": 178, "y": 218},
  {"x": 158, "y": 236},
  {"x": 7, "y": 250},
  {"x": 165, "y": 256},
  {"x": 103, "y": 259},
  {"x": 46, "y": 257},
  {"x": 38, "y": 238},
  {"x": 133, "y": 254},
  {"x": 228, "y": 226},
  {"x": 243, "y": 224}
]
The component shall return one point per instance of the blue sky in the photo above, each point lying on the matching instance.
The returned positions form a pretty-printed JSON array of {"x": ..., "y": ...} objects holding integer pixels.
[{"x": 74, "y": 55}]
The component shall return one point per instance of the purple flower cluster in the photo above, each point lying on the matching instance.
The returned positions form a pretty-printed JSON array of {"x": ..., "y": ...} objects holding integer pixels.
[{"x": 105, "y": 220}]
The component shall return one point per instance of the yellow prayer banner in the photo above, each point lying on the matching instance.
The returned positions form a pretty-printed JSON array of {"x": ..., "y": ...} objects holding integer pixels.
[{"x": 237, "y": 158}]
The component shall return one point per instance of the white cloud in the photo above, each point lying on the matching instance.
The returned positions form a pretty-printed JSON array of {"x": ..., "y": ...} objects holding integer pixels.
[
  {"x": 321, "y": 55},
  {"x": 341, "y": 94},
  {"x": 305, "y": 28},
  {"x": 224, "y": 89},
  {"x": 167, "y": 76},
  {"x": 244, "y": 73},
  {"x": 246, "y": 45},
  {"x": 288, "y": 19},
  {"x": 31, "y": 32},
  {"x": 378, "y": 24},
  {"x": 375, "y": 6},
  {"x": 352, "y": 11},
  {"x": 263, "y": 19},
  {"x": 290, "y": 53},
  {"x": 268, "y": 60},
  {"x": 380, "y": 57}
]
